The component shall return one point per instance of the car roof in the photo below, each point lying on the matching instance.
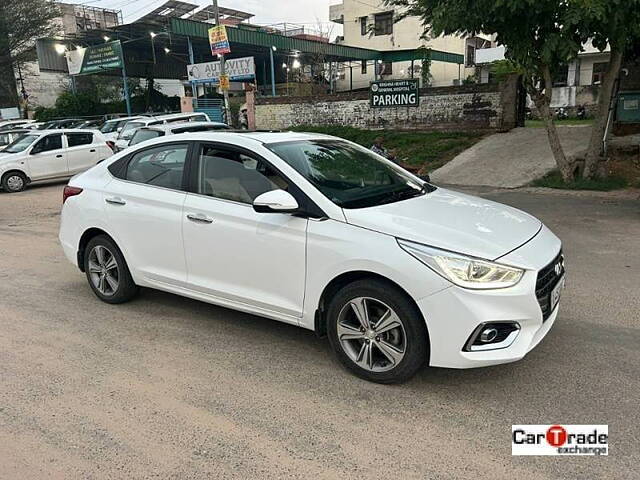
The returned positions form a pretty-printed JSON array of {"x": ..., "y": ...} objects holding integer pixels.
[
  {"x": 276, "y": 137},
  {"x": 17, "y": 130},
  {"x": 63, "y": 130},
  {"x": 231, "y": 136},
  {"x": 121, "y": 119},
  {"x": 172, "y": 126}
]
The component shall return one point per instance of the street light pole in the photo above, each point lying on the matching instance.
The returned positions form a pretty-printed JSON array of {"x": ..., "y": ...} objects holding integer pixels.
[
  {"x": 273, "y": 72},
  {"x": 223, "y": 69}
]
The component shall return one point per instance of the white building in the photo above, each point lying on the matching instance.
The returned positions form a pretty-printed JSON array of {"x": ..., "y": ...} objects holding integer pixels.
[
  {"x": 577, "y": 83},
  {"x": 373, "y": 25}
]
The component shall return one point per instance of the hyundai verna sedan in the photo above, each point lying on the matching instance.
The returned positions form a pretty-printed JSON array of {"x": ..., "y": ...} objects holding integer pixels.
[{"x": 321, "y": 233}]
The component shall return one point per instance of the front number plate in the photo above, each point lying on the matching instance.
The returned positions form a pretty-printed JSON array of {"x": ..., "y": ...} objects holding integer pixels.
[{"x": 556, "y": 293}]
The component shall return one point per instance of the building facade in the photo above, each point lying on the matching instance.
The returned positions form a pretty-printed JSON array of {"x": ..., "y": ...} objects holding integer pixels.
[{"x": 375, "y": 25}]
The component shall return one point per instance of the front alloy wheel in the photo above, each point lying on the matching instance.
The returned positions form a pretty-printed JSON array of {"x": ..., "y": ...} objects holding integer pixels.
[
  {"x": 377, "y": 331},
  {"x": 372, "y": 334}
]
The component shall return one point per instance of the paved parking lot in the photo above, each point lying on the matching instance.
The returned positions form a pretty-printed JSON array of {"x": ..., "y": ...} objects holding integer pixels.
[{"x": 166, "y": 387}]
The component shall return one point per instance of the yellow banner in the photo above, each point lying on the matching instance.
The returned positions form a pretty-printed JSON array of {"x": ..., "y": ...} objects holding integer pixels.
[{"x": 218, "y": 40}]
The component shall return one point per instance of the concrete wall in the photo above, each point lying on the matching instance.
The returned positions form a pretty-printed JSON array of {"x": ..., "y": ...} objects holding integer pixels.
[
  {"x": 477, "y": 106},
  {"x": 43, "y": 87}
]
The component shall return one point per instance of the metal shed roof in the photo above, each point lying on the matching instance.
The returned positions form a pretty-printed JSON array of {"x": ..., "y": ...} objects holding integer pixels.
[{"x": 247, "y": 37}]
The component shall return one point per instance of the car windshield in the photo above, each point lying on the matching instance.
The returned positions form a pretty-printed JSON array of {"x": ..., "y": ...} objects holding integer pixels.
[
  {"x": 349, "y": 175},
  {"x": 129, "y": 129},
  {"x": 21, "y": 143}
]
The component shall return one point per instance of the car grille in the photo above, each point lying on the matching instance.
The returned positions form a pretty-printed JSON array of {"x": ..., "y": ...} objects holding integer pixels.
[{"x": 548, "y": 278}]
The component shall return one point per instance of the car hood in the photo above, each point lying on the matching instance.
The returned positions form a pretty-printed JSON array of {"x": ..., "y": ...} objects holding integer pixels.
[{"x": 451, "y": 221}]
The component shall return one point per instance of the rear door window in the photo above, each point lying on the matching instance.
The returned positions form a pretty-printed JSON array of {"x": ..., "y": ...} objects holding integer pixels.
[
  {"x": 161, "y": 166},
  {"x": 77, "y": 139}
]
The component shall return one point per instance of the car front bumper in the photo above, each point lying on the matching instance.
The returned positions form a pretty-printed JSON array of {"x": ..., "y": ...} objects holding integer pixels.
[{"x": 453, "y": 314}]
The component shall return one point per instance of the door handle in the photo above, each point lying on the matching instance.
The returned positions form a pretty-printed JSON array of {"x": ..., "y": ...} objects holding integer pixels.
[
  {"x": 58, "y": 156},
  {"x": 115, "y": 201},
  {"x": 199, "y": 218},
  {"x": 93, "y": 150}
]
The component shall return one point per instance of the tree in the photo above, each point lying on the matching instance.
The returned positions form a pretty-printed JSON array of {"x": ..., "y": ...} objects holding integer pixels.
[
  {"x": 540, "y": 37},
  {"x": 21, "y": 23},
  {"x": 616, "y": 24}
]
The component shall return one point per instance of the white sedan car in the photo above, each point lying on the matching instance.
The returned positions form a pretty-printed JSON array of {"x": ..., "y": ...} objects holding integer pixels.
[
  {"x": 49, "y": 155},
  {"x": 321, "y": 233}
]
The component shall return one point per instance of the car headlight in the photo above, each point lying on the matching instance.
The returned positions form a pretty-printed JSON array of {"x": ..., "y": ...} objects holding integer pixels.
[{"x": 464, "y": 271}]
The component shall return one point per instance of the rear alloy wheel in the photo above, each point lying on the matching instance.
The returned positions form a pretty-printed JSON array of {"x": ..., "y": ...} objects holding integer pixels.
[
  {"x": 377, "y": 332},
  {"x": 107, "y": 271},
  {"x": 14, "y": 182}
]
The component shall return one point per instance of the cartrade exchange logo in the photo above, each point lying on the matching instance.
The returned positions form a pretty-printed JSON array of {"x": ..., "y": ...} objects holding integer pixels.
[{"x": 560, "y": 440}]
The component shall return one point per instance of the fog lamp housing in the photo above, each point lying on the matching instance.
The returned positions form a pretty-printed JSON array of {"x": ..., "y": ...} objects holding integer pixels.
[{"x": 492, "y": 336}]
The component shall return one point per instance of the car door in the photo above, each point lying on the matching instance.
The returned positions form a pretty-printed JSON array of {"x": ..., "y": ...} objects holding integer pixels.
[
  {"x": 47, "y": 158},
  {"x": 247, "y": 258},
  {"x": 144, "y": 210},
  {"x": 82, "y": 153}
]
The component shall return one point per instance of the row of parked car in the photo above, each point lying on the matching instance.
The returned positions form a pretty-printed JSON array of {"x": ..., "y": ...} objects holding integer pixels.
[{"x": 30, "y": 153}]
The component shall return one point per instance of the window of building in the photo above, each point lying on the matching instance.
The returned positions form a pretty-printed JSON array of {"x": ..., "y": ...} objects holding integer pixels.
[
  {"x": 383, "y": 23},
  {"x": 76, "y": 139},
  {"x": 471, "y": 56},
  {"x": 599, "y": 71},
  {"x": 363, "y": 67},
  {"x": 560, "y": 76},
  {"x": 364, "y": 28},
  {"x": 161, "y": 166}
]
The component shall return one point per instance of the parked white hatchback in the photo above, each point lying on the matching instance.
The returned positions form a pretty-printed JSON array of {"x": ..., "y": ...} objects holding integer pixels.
[
  {"x": 321, "y": 233},
  {"x": 49, "y": 155}
]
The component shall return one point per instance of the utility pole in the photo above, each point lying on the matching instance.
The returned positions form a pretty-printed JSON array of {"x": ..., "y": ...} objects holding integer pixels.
[{"x": 223, "y": 69}]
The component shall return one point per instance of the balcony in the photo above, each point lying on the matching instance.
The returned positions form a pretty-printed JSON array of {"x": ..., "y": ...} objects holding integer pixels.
[{"x": 336, "y": 13}]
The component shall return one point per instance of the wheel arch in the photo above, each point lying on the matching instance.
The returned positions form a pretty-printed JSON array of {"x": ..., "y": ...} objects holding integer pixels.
[
  {"x": 84, "y": 241},
  {"x": 15, "y": 170},
  {"x": 344, "y": 279}
]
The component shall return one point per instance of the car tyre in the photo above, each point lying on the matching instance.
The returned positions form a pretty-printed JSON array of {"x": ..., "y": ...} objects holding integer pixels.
[
  {"x": 107, "y": 271},
  {"x": 394, "y": 345},
  {"x": 14, "y": 182}
]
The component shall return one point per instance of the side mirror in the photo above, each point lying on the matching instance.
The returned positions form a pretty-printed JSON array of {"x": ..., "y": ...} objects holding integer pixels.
[
  {"x": 118, "y": 129},
  {"x": 426, "y": 178},
  {"x": 275, "y": 201}
]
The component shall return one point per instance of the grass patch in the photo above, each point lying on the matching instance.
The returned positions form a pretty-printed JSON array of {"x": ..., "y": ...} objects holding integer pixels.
[
  {"x": 428, "y": 150},
  {"x": 565, "y": 122},
  {"x": 554, "y": 180}
]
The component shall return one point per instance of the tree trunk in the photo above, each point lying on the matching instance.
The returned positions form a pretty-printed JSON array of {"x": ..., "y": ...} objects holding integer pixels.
[
  {"x": 543, "y": 104},
  {"x": 595, "y": 150}
]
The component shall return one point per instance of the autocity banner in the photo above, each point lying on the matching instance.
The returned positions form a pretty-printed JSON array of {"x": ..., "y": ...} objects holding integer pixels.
[
  {"x": 238, "y": 70},
  {"x": 96, "y": 59},
  {"x": 218, "y": 40}
]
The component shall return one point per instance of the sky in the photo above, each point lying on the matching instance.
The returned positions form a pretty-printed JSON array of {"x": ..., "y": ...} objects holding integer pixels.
[{"x": 309, "y": 12}]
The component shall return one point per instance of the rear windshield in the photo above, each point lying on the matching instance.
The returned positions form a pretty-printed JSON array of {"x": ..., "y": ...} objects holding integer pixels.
[
  {"x": 111, "y": 126},
  {"x": 129, "y": 129},
  {"x": 143, "y": 135}
]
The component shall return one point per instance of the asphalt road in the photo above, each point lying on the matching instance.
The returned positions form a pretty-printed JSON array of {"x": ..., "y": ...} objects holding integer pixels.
[{"x": 166, "y": 387}]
